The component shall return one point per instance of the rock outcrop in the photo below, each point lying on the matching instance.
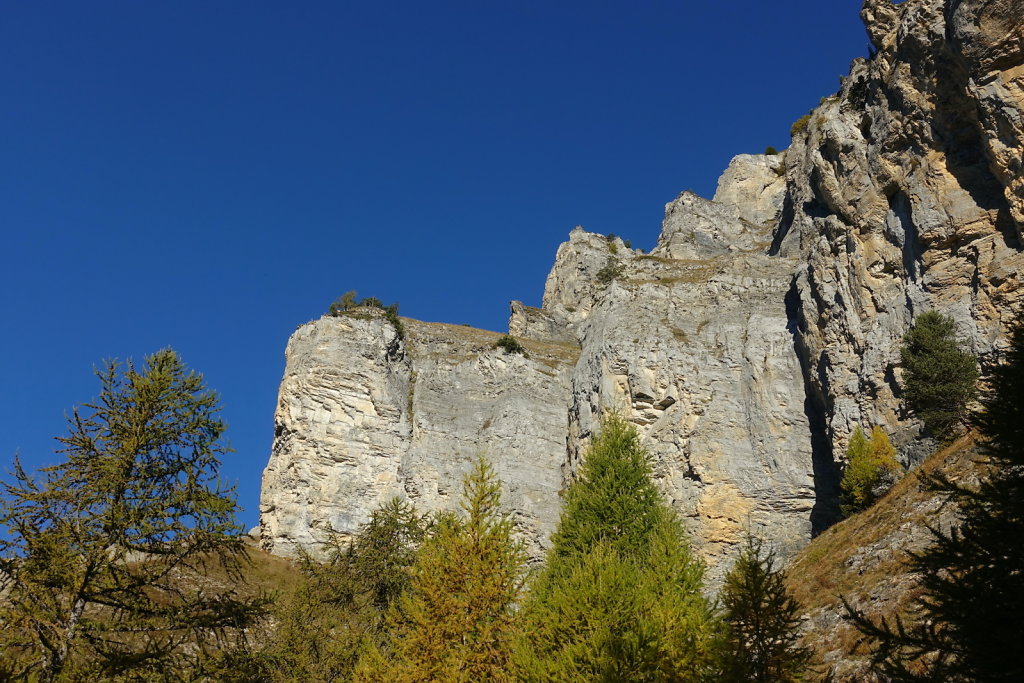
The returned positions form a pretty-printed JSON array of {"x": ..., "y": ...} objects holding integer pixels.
[
  {"x": 746, "y": 346},
  {"x": 365, "y": 415},
  {"x": 903, "y": 196},
  {"x": 692, "y": 343},
  {"x": 756, "y": 185}
]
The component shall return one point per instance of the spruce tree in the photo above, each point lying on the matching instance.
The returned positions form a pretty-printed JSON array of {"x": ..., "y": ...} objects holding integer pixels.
[
  {"x": 455, "y": 622},
  {"x": 763, "y": 621},
  {"x": 620, "y": 598},
  {"x": 103, "y": 549},
  {"x": 939, "y": 377},
  {"x": 968, "y": 624}
]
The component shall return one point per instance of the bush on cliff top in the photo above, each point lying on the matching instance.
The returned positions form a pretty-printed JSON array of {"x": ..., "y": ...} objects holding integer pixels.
[{"x": 347, "y": 302}]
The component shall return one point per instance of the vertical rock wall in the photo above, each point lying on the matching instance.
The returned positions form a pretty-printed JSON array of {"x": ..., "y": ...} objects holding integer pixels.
[
  {"x": 364, "y": 416},
  {"x": 746, "y": 346},
  {"x": 903, "y": 195},
  {"x": 692, "y": 343}
]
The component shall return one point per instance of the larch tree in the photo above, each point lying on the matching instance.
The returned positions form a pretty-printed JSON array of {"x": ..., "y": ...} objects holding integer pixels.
[
  {"x": 104, "y": 550},
  {"x": 339, "y": 607},
  {"x": 762, "y": 620},
  {"x": 456, "y": 619},
  {"x": 621, "y": 595},
  {"x": 871, "y": 468}
]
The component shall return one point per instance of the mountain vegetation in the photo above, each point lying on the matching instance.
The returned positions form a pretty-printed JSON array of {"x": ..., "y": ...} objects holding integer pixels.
[
  {"x": 940, "y": 377},
  {"x": 456, "y": 620},
  {"x": 124, "y": 563},
  {"x": 337, "y": 608},
  {"x": 110, "y": 558},
  {"x": 510, "y": 345},
  {"x": 763, "y": 621},
  {"x": 349, "y": 304},
  {"x": 96, "y": 546},
  {"x": 871, "y": 468},
  {"x": 621, "y": 595},
  {"x": 966, "y": 625}
]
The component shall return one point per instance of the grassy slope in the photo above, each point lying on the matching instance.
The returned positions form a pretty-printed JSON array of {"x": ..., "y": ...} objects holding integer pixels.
[
  {"x": 864, "y": 558},
  {"x": 263, "y": 574}
]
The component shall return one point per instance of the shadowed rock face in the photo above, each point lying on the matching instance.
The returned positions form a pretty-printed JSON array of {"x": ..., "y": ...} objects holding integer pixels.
[{"x": 746, "y": 346}]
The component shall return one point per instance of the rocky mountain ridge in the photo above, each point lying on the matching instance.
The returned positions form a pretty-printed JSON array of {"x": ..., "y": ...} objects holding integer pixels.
[{"x": 762, "y": 328}]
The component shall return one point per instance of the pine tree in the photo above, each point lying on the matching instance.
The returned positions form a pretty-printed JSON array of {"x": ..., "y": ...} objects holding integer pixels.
[
  {"x": 968, "y": 624},
  {"x": 456, "y": 620},
  {"x": 871, "y": 469},
  {"x": 939, "y": 377},
  {"x": 620, "y": 598},
  {"x": 100, "y": 546},
  {"x": 762, "y": 620}
]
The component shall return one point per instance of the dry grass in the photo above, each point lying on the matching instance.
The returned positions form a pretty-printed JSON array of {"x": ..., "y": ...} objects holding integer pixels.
[
  {"x": 659, "y": 259},
  {"x": 822, "y": 571},
  {"x": 263, "y": 573},
  {"x": 460, "y": 343},
  {"x": 864, "y": 559}
]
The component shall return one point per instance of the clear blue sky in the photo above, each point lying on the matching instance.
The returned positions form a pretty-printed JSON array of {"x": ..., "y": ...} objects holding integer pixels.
[{"x": 209, "y": 175}]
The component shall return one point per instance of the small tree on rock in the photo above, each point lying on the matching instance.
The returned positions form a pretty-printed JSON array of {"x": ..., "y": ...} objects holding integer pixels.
[
  {"x": 871, "y": 469},
  {"x": 345, "y": 302}
]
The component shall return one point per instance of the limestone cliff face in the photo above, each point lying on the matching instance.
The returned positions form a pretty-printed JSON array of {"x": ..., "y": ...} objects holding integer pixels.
[
  {"x": 746, "y": 346},
  {"x": 692, "y": 343},
  {"x": 903, "y": 195},
  {"x": 364, "y": 416}
]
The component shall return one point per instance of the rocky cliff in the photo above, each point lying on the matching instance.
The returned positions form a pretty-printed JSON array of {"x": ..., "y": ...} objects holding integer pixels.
[
  {"x": 746, "y": 346},
  {"x": 365, "y": 415},
  {"x": 903, "y": 195}
]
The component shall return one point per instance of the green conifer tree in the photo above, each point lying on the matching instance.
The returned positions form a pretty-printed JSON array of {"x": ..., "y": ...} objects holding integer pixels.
[
  {"x": 871, "y": 469},
  {"x": 940, "y": 378},
  {"x": 100, "y": 547},
  {"x": 613, "y": 499},
  {"x": 968, "y": 624},
  {"x": 339, "y": 607},
  {"x": 762, "y": 620},
  {"x": 456, "y": 620},
  {"x": 620, "y": 598}
]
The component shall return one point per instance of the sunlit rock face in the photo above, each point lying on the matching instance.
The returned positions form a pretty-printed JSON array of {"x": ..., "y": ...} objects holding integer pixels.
[
  {"x": 903, "y": 195},
  {"x": 692, "y": 343},
  {"x": 762, "y": 328},
  {"x": 364, "y": 416}
]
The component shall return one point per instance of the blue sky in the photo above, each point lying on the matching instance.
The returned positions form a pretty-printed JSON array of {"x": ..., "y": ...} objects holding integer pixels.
[{"x": 209, "y": 175}]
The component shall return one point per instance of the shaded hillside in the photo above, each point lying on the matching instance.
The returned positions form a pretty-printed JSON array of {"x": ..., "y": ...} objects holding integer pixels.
[{"x": 864, "y": 559}]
